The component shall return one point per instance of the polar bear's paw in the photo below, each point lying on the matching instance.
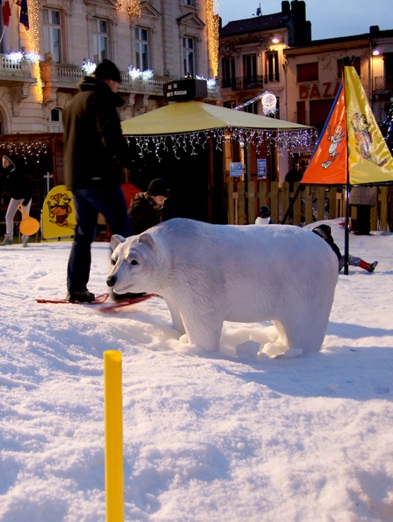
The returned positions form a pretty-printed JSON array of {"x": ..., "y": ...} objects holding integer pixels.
[{"x": 291, "y": 353}]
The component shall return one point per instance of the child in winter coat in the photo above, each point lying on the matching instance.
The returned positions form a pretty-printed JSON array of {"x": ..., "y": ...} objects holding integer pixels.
[
  {"x": 264, "y": 216},
  {"x": 325, "y": 232},
  {"x": 146, "y": 208}
]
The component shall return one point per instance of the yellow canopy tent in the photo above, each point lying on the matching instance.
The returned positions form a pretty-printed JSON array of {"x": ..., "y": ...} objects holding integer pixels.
[
  {"x": 187, "y": 125},
  {"x": 183, "y": 129},
  {"x": 194, "y": 116}
]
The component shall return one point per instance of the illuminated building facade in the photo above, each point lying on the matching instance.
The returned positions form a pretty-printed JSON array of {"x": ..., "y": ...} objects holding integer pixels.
[
  {"x": 151, "y": 41},
  {"x": 275, "y": 53}
]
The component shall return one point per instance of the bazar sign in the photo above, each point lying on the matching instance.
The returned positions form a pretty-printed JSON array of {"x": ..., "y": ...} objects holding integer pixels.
[{"x": 316, "y": 90}]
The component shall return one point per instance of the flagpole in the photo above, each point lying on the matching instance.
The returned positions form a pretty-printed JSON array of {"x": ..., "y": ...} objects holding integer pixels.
[
  {"x": 346, "y": 239},
  {"x": 347, "y": 185}
]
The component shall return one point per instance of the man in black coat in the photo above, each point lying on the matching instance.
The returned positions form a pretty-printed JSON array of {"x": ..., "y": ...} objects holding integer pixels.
[
  {"x": 95, "y": 153},
  {"x": 294, "y": 175}
]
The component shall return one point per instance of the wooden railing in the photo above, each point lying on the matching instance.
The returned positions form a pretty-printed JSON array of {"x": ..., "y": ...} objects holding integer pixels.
[{"x": 312, "y": 204}]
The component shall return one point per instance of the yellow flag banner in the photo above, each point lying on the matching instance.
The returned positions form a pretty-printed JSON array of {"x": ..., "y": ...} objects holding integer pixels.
[
  {"x": 369, "y": 159},
  {"x": 328, "y": 165}
]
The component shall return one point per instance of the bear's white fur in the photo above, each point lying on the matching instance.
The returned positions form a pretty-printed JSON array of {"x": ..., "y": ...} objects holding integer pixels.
[{"x": 208, "y": 274}]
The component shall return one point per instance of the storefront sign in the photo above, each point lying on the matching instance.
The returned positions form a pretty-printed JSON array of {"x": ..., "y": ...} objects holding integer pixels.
[
  {"x": 314, "y": 90},
  {"x": 236, "y": 170},
  {"x": 261, "y": 165}
]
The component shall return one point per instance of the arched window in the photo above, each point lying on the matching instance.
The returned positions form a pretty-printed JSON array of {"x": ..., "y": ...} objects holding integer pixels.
[{"x": 55, "y": 121}]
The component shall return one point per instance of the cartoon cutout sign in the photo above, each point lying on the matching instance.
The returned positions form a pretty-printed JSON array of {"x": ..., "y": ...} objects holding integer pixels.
[{"x": 58, "y": 215}]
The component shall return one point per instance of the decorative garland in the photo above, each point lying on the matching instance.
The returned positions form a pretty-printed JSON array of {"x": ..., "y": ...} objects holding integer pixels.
[
  {"x": 269, "y": 102},
  {"x": 285, "y": 141},
  {"x": 35, "y": 148}
]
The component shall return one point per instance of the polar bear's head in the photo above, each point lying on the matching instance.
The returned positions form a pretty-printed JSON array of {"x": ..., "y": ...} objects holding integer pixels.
[{"x": 134, "y": 264}]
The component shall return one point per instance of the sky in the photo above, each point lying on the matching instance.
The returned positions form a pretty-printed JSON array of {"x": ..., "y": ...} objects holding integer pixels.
[
  {"x": 227, "y": 436},
  {"x": 330, "y": 19}
]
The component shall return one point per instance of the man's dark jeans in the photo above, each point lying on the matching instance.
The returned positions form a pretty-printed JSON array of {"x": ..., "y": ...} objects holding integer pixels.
[{"x": 108, "y": 201}]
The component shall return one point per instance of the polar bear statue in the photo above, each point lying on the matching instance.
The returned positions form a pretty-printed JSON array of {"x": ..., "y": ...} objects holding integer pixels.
[{"x": 209, "y": 274}]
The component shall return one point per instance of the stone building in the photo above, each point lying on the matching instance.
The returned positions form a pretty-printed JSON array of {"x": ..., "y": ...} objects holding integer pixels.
[
  {"x": 314, "y": 74},
  {"x": 48, "y": 49},
  {"x": 252, "y": 62},
  {"x": 151, "y": 41},
  {"x": 275, "y": 53}
]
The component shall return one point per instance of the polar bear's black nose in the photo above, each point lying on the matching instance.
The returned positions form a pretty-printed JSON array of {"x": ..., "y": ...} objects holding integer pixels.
[{"x": 111, "y": 281}]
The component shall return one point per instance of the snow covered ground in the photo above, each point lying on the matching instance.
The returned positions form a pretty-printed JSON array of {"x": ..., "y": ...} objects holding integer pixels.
[{"x": 227, "y": 436}]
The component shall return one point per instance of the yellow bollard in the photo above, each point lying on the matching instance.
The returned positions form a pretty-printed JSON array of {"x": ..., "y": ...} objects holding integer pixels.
[{"x": 113, "y": 436}]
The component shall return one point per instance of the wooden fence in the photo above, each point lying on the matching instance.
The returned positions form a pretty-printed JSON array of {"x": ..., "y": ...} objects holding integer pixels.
[{"x": 312, "y": 204}]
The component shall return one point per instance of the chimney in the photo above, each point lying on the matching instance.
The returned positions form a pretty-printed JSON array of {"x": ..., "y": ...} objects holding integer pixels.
[
  {"x": 374, "y": 31},
  {"x": 285, "y": 9}
]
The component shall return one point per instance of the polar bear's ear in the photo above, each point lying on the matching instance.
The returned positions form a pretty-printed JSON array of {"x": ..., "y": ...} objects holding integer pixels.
[
  {"x": 147, "y": 239},
  {"x": 116, "y": 239}
]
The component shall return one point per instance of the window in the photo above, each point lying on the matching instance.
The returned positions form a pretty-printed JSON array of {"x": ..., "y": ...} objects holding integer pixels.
[
  {"x": 340, "y": 66},
  {"x": 301, "y": 112},
  {"x": 100, "y": 40},
  {"x": 188, "y": 57},
  {"x": 54, "y": 121},
  {"x": 52, "y": 34},
  {"x": 272, "y": 69},
  {"x": 319, "y": 111},
  {"x": 307, "y": 72},
  {"x": 388, "y": 70},
  {"x": 251, "y": 108},
  {"x": 228, "y": 72},
  {"x": 250, "y": 79},
  {"x": 250, "y": 67},
  {"x": 141, "y": 49}
]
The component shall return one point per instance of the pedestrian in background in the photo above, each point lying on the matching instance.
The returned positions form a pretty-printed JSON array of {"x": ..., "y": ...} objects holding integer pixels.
[
  {"x": 15, "y": 182},
  {"x": 264, "y": 216},
  {"x": 294, "y": 175}
]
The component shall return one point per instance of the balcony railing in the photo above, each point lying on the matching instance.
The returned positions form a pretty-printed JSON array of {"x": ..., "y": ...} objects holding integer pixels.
[
  {"x": 243, "y": 83},
  {"x": 59, "y": 75},
  {"x": 14, "y": 70},
  {"x": 153, "y": 85}
]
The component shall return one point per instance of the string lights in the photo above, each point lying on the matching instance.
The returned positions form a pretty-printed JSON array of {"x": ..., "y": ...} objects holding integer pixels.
[
  {"x": 269, "y": 103},
  {"x": 25, "y": 149},
  {"x": 33, "y": 45},
  {"x": 88, "y": 67},
  {"x": 283, "y": 140},
  {"x": 131, "y": 7},
  {"x": 213, "y": 27},
  {"x": 136, "y": 74}
]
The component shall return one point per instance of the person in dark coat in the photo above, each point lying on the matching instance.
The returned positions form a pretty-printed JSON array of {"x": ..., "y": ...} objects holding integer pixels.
[
  {"x": 95, "y": 154},
  {"x": 294, "y": 175},
  {"x": 15, "y": 182},
  {"x": 325, "y": 232},
  {"x": 146, "y": 208}
]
